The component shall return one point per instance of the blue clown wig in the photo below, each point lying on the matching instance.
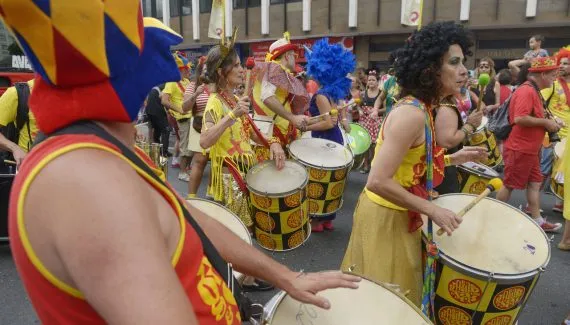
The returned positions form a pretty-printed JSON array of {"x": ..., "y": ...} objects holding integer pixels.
[{"x": 329, "y": 64}]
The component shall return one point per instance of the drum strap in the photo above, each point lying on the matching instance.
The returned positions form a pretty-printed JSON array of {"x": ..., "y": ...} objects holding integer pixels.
[
  {"x": 90, "y": 128},
  {"x": 234, "y": 171}
]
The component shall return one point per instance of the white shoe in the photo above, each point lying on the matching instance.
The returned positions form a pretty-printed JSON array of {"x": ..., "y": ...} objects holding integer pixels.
[{"x": 183, "y": 176}]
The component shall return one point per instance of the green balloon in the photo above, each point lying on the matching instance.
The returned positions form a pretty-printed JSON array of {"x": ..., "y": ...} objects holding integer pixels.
[{"x": 484, "y": 79}]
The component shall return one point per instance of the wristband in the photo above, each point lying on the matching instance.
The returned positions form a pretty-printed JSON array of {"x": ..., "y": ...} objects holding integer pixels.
[
  {"x": 447, "y": 160},
  {"x": 274, "y": 140}
]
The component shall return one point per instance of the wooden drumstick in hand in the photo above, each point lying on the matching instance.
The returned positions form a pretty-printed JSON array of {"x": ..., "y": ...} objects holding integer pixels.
[
  {"x": 334, "y": 111},
  {"x": 495, "y": 184},
  {"x": 315, "y": 119}
]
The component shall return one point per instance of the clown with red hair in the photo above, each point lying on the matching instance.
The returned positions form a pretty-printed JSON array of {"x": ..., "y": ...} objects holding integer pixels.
[
  {"x": 558, "y": 99},
  {"x": 277, "y": 95}
]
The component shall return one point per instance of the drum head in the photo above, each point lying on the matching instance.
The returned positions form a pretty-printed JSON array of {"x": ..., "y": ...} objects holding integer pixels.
[
  {"x": 493, "y": 237},
  {"x": 478, "y": 169},
  {"x": 359, "y": 139},
  {"x": 559, "y": 148},
  {"x": 321, "y": 153},
  {"x": 371, "y": 303},
  {"x": 265, "y": 179},
  {"x": 222, "y": 215},
  {"x": 483, "y": 125}
]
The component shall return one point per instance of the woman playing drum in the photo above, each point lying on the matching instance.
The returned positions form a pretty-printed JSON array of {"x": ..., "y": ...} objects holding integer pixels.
[
  {"x": 334, "y": 86},
  {"x": 227, "y": 132},
  {"x": 453, "y": 126},
  {"x": 385, "y": 244}
]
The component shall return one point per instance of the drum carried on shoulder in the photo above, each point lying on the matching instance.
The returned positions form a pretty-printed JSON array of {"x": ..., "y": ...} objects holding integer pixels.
[
  {"x": 484, "y": 138},
  {"x": 489, "y": 267},
  {"x": 279, "y": 204},
  {"x": 557, "y": 177},
  {"x": 371, "y": 303},
  {"x": 328, "y": 164},
  {"x": 473, "y": 177}
]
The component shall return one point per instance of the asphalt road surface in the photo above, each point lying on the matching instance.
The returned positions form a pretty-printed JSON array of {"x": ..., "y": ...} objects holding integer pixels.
[{"x": 549, "y": 304}]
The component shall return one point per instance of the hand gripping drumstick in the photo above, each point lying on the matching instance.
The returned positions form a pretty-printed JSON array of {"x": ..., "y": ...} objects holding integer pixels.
[
  {"x": 495, "y": 184},
  {"x": 334, "y": 111}
]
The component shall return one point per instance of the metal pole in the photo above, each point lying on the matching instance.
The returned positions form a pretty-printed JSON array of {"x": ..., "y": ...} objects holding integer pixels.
[
  {"x": 378, "y": 11},
  {"x": 246, "y": 17},
  {"x": 284, "y": 15}
]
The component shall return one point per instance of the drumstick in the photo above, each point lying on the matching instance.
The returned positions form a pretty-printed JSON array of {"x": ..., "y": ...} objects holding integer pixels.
[
  {"x": 11, "y": 162},
  {"x": 495, "y": 184},
  {"x": 334, "y": 111}
]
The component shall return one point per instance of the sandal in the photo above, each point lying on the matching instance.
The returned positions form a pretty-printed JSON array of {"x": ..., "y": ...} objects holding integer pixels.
[{"x": 258, "y": 285}]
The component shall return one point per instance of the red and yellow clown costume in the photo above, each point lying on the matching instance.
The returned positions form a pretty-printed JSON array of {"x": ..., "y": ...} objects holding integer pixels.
[
  {"x": 96, "y": 61},
  {"x": 289, "y": 91}
]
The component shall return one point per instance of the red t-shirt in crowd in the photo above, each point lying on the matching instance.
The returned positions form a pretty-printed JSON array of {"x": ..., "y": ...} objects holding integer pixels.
[
  {"x": 505, "y": 93},
  {"x": 525, "y": 102}
]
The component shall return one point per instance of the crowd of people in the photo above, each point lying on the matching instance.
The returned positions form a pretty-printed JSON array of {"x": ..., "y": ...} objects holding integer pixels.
[{"x": 139, "y": 253}]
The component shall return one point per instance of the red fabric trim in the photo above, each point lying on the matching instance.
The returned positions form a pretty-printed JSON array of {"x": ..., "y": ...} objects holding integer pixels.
[
  {"x": 236, "y": 175},
  {"x": 415, "y": 219},
  {"x": 564, "y": 85},
  {"x": 282, "y": 49}
]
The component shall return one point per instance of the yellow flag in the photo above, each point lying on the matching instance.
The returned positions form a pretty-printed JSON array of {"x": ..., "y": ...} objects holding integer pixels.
[
  {"x": 411, "y": 12},
  {"x": 217, "y": 19}
]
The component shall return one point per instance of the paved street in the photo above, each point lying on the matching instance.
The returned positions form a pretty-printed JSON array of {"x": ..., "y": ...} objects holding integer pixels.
[{"x": 549, "y": 303}]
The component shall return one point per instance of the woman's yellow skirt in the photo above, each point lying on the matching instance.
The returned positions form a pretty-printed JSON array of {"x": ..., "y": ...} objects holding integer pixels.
[{"x": 382, "y": 249}]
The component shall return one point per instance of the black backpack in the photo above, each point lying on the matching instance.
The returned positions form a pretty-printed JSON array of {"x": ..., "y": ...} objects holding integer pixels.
[
  {"x": 499, "y": 122},
  {"x": 12, "y": 130}
]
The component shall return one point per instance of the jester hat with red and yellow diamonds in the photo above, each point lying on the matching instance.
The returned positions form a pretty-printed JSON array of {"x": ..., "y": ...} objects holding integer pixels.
[{"x": 94, "y": 59}]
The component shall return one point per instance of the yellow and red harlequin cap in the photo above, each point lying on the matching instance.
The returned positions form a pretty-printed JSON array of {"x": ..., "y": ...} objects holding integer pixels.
[
  {"x": 94, "y": 59},
  {"x": 182, "y": 61},
  {"x": 544, "y": 64}
]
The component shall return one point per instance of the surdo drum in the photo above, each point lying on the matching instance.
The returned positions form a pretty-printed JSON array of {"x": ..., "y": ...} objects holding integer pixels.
[
  {"x": 328, "y": 164},
  {"x": 557, "y": 177},
  {"x": 486, "y": 139},
  {"x": 225, "y": 217},
  {"x": 489, "y": 267},
  {"x": 371, "y": 304},
  {"x": 473, "y": 177},
  {"x": 279, "y": 204}
]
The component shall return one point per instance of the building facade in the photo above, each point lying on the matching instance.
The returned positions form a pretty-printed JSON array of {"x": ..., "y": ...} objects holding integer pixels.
[{"x": 372, "y": 28}]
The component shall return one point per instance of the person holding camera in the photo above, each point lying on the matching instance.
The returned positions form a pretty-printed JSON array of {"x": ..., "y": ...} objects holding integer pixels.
[{"x": 521, "y": 149}]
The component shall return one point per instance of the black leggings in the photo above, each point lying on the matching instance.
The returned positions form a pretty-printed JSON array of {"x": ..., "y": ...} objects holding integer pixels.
[{"x": 161, "y": 132}]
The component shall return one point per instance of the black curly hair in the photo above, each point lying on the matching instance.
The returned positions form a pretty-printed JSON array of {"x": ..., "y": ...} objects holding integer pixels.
[{"x": 419, "y": 62}]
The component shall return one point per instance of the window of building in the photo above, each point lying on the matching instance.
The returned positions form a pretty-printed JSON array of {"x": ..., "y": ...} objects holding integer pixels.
[
  {"x": 281, "y": 1},
  {"x": 205, "y": 6},
  {"x": 241, "y": 4}
]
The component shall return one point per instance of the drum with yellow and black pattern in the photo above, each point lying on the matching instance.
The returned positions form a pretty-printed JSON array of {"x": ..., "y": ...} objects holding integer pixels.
[
  {"x": 489, "y": 266},
  {"x": 473, "y": 177},
  {"x": 328, "y": 164},
  {"x": 486, "y": 139},
  {"x": 279, "y": 205}
]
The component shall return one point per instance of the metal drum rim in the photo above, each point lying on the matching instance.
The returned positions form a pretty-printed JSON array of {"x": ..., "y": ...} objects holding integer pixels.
[
  {"x": 307, "y": 164},
  {"x": 282, "y": 194},
  {"x": 496, "y": 276},
  {"x": 249, "y": 240},
  {"x": 268, "y": 314},
  {"x": 478, "y": 173}
]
